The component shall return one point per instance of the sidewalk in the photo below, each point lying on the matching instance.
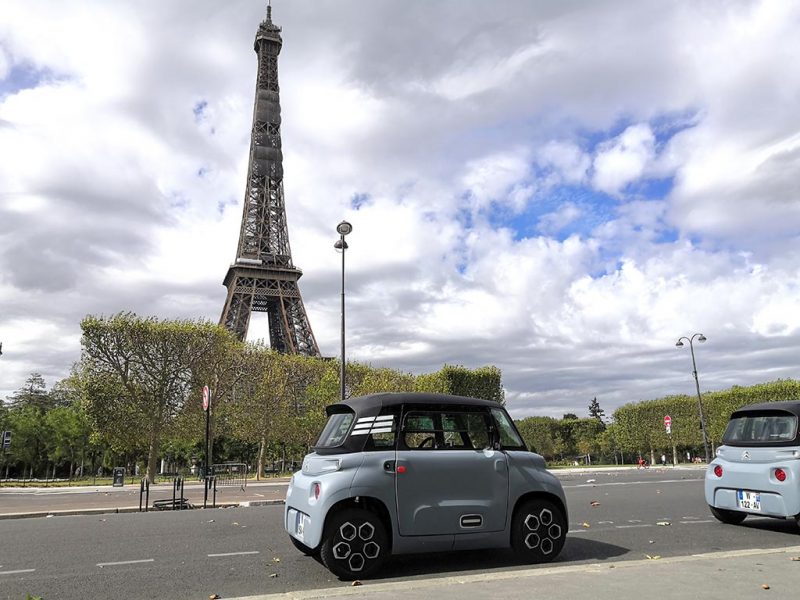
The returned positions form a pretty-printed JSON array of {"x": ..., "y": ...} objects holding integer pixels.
[
  {"x": 738, "y": 575},
  {"x": 22, "y": 502}
]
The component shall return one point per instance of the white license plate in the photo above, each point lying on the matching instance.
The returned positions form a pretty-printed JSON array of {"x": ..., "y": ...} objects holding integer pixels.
[
  {"x": 300, "y": 524},
  {"x": 748, "y": 500}
]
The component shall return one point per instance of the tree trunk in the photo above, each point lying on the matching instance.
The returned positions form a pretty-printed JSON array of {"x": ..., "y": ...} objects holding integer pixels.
[
  {"x": 152, "y": 455},
  {"x": 262, "y": 449}
]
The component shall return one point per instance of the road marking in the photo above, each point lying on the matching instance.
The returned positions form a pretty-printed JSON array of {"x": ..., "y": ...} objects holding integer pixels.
[
  {"x": 693, "y": 522},
  {"x": 233, "y": 553},
  {"x": 126, "y": 562},
  {"x": 632, "y": 526},
  {"x": 634, "y": 520},
  {"x": 583, "y": 485},
  {"x": 605, "y": 522},
  {"x": 17, "y": 571}
]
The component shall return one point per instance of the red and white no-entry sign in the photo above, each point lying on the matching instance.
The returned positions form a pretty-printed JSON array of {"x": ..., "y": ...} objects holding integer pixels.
[
  {"x": 667, "y": 421},
  {"x": 205, "y": 397}
]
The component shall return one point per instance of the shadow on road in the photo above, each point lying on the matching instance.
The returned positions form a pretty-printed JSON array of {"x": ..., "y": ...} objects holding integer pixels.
[
  {"x": 787, "y": 526},
  {"x": 451, "y": 563}
]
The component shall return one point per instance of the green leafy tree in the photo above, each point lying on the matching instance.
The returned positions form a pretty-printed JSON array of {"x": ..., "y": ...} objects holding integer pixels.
[{"x": 142, "y": 371}]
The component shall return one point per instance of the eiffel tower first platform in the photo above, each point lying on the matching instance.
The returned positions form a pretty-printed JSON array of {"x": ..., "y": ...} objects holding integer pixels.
[{"x": 263, "y": 278}]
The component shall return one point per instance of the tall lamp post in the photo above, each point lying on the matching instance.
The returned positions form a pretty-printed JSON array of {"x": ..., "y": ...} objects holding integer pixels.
[
  {"x": 700, "y": 338},
  {"x": 342, "y": 229}
]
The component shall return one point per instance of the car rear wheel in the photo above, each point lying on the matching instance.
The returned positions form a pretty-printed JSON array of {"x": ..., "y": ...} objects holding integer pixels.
[
  {"x": 355, "y": 544},
  {"x": 731, "y": 517},
  {"x": 538, "y": 531}
]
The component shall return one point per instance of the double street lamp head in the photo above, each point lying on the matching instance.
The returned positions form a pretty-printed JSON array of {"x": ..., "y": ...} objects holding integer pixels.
[
  {"x": 342, "y": 229},
  {"x": 700, "y": 338}
]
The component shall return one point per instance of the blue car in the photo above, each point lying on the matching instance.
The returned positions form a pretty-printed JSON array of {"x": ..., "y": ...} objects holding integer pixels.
[
  {"x": 402, "y": 473},
  {"x": 757, "y": 469}
]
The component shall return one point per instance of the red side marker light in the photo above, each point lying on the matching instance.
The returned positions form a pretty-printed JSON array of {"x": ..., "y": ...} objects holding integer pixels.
[
  {"x": 401, "y": 469},
  {"x": 780, "y": 474},
  {"x": 317, "y": 490},
  {"x": 717, "y": 470}
]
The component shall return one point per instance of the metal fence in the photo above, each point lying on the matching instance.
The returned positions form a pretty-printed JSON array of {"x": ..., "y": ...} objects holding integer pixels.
[{"x": 230, "y": 475}]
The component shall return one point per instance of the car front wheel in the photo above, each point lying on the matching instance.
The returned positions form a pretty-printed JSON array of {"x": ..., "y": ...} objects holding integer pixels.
[
  {"x": 731, "y": 517},
  {"x": 355, "y": 544},
  {"x": 538, "y": 531}
]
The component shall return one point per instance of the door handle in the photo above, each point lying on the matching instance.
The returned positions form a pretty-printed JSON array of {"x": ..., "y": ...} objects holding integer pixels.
[{"x": 388, "y": 466}]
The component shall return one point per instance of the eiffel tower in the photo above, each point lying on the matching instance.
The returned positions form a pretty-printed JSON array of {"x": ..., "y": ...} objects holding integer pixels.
[{"x": 263, "y": 278}]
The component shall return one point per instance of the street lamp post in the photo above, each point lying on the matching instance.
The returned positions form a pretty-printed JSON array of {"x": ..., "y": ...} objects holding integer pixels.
[
  {"x": 342, "y": 229},
  {"x": 700, "y": 338}
]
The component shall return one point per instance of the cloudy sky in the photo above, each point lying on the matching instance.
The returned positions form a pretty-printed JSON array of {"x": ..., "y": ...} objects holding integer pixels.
[{"x": 561, "y": 189}]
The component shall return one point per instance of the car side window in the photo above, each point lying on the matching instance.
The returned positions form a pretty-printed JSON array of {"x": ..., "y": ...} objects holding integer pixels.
[
  {"x": 446, "y": 430},
  {"x": 383, "y": 431},
  {"x": 509, "y": 437}
]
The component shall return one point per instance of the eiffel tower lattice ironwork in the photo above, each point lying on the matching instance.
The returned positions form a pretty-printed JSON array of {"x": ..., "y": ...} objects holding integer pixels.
[{"x": 263, "y": 278}]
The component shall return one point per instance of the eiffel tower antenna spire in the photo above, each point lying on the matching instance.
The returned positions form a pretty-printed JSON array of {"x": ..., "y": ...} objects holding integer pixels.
[{"x": 263, "y": 277}]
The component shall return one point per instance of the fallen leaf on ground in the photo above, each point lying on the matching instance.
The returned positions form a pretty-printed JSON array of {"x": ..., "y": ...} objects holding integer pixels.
[
  {"x": 211, "y": 521},
  {"x": 586, "y": 525},
  {"x": 276, "y": 559},
  {"x": 235, "y": 523},
  {"x": 650, "y": 542},
  {"x": 764, "y": 586},
  {"x": 214, "y": 597},
  {"x": 658, "y": 491},
  {"x": 663, "y": 523},
  {"x": 356, "y": 582},
  {"x": 274, "y": 575},
  {"x": 594, "y": 503},
  {"x": 795, "y": 558},
  {"x": 591, "y": 480},
  {"x": 654, "y": 557}
]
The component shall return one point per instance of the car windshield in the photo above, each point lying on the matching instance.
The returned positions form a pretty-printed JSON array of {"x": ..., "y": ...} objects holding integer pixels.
[
  {"x": 335, "y": 430},
  {"x": 766, "y": 427}
]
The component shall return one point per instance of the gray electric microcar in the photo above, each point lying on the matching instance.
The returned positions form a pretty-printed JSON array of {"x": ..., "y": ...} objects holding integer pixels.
[
  {"x": 757, "y": 469},
  {"x": 402, "y": 473}
]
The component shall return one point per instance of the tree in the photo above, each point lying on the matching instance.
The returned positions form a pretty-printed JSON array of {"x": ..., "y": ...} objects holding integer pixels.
[
  {"x": 33, "y": 394},
  {"x": 140, "y": 373},
  {"x": 595, "y": 412},
  {"x": 569, "y": 417}
]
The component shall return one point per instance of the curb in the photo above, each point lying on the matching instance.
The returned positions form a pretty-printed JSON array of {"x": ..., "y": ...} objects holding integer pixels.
[
  {"x": 127, "y": 509},
  {"x": 426, "y": 588}
]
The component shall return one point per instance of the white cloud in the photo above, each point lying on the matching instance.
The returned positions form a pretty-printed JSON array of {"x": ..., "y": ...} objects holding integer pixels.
[{"x": 624, "y": 159}]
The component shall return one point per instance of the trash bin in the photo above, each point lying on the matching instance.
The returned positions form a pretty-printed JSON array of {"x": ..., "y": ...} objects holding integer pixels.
[{"x": 119, "y": 477}]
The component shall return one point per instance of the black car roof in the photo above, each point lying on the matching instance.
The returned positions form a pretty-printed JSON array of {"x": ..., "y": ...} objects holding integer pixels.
[
  {"x": 790, "y": 406},
  {"x": 372, "y": 401}
]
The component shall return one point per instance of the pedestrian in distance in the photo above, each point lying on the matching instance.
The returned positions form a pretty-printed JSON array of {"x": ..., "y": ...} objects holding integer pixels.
[{"x": 664, "y": 460}]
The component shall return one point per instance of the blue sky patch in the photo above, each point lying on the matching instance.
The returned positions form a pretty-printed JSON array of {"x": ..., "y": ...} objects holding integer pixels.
[
  {"x": 359, "y": 199},
  {"x": 25, "y": 77}
]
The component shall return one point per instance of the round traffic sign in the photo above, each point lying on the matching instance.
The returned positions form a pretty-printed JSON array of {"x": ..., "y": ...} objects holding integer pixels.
[
  {"x": 667, "y": 421},
  {"x": 205, "y": 397}
]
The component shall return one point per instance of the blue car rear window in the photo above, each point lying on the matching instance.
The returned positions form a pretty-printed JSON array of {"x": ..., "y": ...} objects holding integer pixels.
[
  {"x": 766, "y": 428},
  {"x": 335, "y": 430}
]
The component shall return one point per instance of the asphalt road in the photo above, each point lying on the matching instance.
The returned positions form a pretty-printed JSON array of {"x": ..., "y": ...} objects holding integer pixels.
[{"x": 244, "y": 551}]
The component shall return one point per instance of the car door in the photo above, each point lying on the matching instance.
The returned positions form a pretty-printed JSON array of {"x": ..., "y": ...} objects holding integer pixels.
[{"x": 448, "y": 478}]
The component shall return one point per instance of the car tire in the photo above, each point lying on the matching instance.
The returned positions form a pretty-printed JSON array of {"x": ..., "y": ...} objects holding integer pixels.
[
  {"x": 302, "y": 547},
  {"x": 731, "y": 517},
  {"x": 355, "y": 544},
  {"x": 538, "y": 531}
]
